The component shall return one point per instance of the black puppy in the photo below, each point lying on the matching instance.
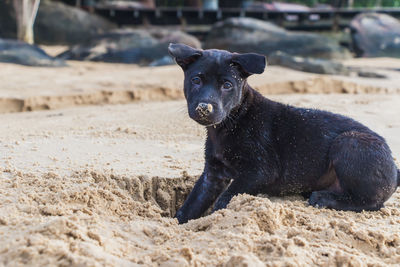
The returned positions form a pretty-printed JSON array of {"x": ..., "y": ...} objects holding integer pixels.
[{"x": 255, "y": 145}]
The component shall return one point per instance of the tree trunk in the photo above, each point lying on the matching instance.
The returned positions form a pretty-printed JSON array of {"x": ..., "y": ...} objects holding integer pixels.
[
  {"x": 25, "y": 11},
  {"x": 350, "y": 3}
]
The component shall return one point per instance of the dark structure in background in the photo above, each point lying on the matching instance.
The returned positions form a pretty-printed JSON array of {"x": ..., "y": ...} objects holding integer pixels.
[
  {"x": 324, "y": 15},
  {"x": 244, "y": 3}
]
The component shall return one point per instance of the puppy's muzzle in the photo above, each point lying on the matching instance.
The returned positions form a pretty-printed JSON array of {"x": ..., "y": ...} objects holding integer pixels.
[{"x": 204, "y": 109}]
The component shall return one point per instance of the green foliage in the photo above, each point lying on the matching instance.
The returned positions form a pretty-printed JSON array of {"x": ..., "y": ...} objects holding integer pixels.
[
  {"x": 310, "y": 3},
  {"x": 357, "y": 3},
  {"x": 372, "y": 3},
  {"x": 306, "y": 2}
]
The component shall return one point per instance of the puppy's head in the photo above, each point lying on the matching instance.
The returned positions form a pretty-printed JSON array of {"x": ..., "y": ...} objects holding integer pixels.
[{"x": 214, "y": 80}]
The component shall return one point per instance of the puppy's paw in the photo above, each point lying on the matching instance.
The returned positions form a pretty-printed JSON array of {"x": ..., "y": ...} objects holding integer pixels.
[
  {"x": 181, "y": 217},
  {"x": 320, "y": 199}
]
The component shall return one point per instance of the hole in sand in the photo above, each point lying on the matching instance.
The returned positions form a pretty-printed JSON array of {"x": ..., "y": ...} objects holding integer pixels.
[{"x": 167, "y": 193}]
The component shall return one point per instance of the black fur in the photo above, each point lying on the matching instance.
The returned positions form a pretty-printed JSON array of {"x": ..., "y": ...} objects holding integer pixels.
[{"x": 255, "y": 145}]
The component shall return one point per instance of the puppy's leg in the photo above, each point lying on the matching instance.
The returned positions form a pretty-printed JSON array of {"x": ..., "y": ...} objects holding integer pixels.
[
  {"x": 238, "y": 186},
  {"x": 204, "y": 193},
  {"x": 341, "y": 201},
  {"x": 365, "y": 174}
]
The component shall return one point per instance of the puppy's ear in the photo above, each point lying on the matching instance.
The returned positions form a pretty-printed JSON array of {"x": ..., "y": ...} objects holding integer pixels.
[
  {"x": 184, "y": 54},
  {"x": 250, "y": 63}
]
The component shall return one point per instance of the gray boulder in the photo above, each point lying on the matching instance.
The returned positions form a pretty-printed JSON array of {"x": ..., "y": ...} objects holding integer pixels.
[
  {"x": 56, "y": 23},
  {"x": 130, "y": 46},
  {"x": 320, "y": 66},
  {"x": 375, "y": 35},
  {"x": 314, "y": 65},
  {"x": 251, "y": 35},
  {"x": 12, "y": 51}
]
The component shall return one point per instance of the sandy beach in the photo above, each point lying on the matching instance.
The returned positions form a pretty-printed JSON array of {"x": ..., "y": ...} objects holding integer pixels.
[{"x": 96, "y": 158}]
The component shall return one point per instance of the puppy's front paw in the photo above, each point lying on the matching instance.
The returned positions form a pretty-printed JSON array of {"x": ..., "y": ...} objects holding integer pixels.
[{"x": 181, "y": 217}]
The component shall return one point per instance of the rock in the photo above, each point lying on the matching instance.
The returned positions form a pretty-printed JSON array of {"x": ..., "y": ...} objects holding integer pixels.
[
  {"x": 131, "y": 46},
  {"x": 314, "y": 65},
  {"x": 320, "y": 66},
  {"x": 17, "y": 52},
  {"x": 118, "y": 46},
  {"x": 174, "y": 36},
  {"x": 251, "y": 35},
  {"x": 165, "y": 60},
  {"x": 370, "y": 74},
  {"x": 56, "y": 23},
  {"x": 8, "y": 27},
  {"x": 375, "y": 35}
]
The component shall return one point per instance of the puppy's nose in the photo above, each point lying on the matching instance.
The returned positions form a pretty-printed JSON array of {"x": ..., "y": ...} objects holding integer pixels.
[{"x": 204, "y": 109}]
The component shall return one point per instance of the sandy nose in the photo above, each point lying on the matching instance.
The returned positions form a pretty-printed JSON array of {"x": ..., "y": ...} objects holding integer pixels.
[{"x": 204, "y": 109}]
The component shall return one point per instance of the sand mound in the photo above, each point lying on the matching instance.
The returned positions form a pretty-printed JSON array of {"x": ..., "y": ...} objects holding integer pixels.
[{"x": 99, "y": 219}]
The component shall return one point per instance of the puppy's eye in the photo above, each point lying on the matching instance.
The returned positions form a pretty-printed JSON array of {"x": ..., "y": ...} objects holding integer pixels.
[
  {"x": 196, "y": 80},
  {"x": 227, "y": 86}
]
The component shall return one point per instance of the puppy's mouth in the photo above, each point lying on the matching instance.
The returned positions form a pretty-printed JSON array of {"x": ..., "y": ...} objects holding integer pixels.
[
  {"x": 205, "y": 113},
  {"x": 206, "y": 120}
]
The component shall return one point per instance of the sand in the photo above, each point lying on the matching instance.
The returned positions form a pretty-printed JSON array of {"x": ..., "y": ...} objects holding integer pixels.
[
  {"x": 96, "y": 183},
  {"x": 88, "y": 83}
]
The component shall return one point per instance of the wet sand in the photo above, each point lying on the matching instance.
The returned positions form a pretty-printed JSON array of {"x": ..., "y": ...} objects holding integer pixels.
[{"x": 87, "y": 83}]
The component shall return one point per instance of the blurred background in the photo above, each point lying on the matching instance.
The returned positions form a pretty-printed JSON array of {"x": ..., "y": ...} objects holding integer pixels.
[{"x": 139, "y": 31}]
